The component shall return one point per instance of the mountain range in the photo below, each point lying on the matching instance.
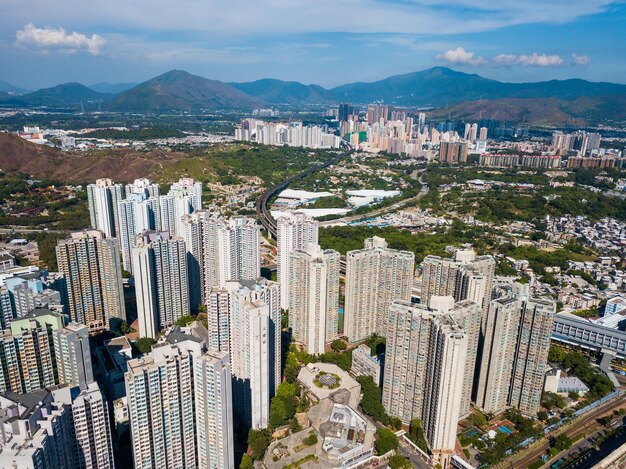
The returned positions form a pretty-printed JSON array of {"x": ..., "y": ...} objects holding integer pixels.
[
  {"x": 10, "y": 89},
  {"x": 179, "y": 90},
  {"x": 112, "y": 88},
  {"x": 453, "y": 93}
]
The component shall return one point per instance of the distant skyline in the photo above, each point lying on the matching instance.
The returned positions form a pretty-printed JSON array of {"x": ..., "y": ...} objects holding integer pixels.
[{"x": 328, "y": 43}]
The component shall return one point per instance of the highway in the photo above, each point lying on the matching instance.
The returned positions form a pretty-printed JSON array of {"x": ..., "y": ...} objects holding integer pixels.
[
  {"x": 263, "y": 213},
  {"x": 265, "y": 217},
  {"x": 583, "y": 424}
]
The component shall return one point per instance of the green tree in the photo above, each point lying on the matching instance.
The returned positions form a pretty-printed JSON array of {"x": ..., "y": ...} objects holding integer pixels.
[
  {"x": 416, "y": 435},
  {"x": 184, "y": 320},
  {"x": 376, "y": 344},
  {"x": 386, "y": 440},
  {"x": 246, "y": 462},
  {"x": 371, "y": 402},
  {"x": 282, "y": 409},
  {"x": 576, "y": 364},
  {"x": 125, "y": 328},
  {"x": 311, "y": 439},
  {"x": 338, "y": 345},
  {"x": 144, "y": 345},
  {"x": 258, "y": 441},
  {"x": 292, "y": 368},
  {"x": 399, "y": 462},
  {"x": 288, "y": 390},
  {"x": 561, "y": 442},
  {"x": 342, "y": 359},
  {"x": 478, "y": 419},
  {"x": 550, "y": 400},
  {"x": 395, "y": 423}
]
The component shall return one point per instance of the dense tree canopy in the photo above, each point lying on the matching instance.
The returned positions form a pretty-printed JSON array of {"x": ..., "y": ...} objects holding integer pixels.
[
  {"x": 371, "y": 403},
  {"x": 386, "y": 440},
  {"x": 575, "y": 363}
]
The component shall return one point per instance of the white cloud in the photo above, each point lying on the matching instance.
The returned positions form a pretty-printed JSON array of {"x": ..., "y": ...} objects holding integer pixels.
[
  {"x": 51, "y": 38},
  {"x": 221, "y": 18},
  {"x": 540, "y": 60},
  {"x": 582, "y": 60},
  {"x": 460, "y": 56},
  {"x": 505, "y": 59}
]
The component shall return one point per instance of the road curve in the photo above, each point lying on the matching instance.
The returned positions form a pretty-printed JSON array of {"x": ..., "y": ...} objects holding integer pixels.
[{"x": 262, "y": 211}]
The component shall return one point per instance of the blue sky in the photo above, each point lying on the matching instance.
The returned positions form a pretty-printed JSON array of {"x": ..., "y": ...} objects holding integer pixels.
[{"x": 328, "y": 42}]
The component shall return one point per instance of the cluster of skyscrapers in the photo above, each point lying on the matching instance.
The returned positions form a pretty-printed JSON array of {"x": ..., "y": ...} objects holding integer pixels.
[
  {"x": 293, "y": 134},
  {"x": 584, "y": 143},
  {"x": 52, "y": 412},
  {"x": 180, "y": 405},
  {"x": 183, "y": 258},
  {"x": 395, "y": 131},
  {"x": 464, "y": 342},
  {"x": 179, "y": 398},
  {"x": 452, "y": 340}
]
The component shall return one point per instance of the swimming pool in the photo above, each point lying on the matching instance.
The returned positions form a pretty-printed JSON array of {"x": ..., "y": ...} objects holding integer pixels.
[{"x": 505, "y": 429}]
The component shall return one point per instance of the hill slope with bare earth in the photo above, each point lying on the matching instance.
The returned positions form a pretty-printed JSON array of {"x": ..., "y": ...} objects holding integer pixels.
[{"x": 40, "y": 161}]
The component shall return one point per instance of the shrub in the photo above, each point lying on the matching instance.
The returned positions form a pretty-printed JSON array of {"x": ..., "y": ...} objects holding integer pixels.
[
  {"x": 399, "y": 462},
  {"x": 310, "y": 440}
]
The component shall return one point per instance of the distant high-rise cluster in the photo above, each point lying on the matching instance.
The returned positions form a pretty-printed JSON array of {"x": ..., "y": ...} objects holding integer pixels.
[
  {"x": 398, "y": 131},
  {"x": 525, "y": 161},
  {"x": 293, "y": 134},
  {"x": 347, "y": 111},
  {"x": 586, "y": 143},
  {"x": 453, "y": 152}
]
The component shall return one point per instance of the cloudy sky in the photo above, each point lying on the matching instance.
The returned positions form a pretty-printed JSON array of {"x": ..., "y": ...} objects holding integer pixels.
[{"x": 329, "y": 42}]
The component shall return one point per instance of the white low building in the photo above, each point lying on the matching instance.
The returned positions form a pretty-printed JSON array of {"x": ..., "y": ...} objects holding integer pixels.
[
  {"x": 375, "y": 194},
  {"x": 295, "y": 197},
  {"x": 313, "y": 212}
]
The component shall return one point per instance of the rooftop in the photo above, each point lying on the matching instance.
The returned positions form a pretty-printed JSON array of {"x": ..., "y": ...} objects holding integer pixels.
[
  {"x": 309, "y": 373},
  {"x": 300, "y": 194}
]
